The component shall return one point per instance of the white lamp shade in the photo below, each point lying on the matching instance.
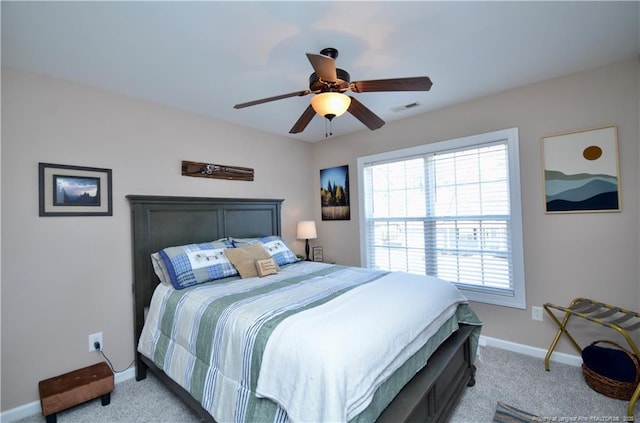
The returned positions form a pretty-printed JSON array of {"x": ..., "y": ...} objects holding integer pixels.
[
  {"x": 307, "y": 230},
  {"x": 330, "y": 104}
]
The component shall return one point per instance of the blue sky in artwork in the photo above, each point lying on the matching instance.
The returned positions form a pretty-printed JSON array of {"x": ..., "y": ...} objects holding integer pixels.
[
  {"x": 335, "y": 175},
  {"x": 77, "y": 186}
]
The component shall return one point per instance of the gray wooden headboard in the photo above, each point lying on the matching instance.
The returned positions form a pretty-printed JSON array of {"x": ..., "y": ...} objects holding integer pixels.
[{"x": 162, "y": 221}]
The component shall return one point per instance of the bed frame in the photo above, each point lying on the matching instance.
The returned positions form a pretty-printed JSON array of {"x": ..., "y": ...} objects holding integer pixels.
[{"x": 161, "y": 221}]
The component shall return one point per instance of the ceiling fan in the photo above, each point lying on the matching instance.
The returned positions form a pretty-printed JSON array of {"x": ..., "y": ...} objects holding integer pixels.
[{"x": 328, "y": 84}]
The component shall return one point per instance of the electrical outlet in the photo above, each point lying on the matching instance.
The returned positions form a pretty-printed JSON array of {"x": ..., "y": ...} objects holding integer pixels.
[
  {"x": 93, "y": 338},
  {"x": 536, "y": 313}
]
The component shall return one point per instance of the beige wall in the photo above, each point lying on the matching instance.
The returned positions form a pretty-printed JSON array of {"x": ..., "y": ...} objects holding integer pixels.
[
  {"x": 594, "y": 255},
  {"x": 64, "y": 278}
]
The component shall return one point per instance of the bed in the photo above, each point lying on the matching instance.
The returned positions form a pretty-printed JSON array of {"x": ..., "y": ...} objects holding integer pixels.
[{"x": 414, "y": 392}]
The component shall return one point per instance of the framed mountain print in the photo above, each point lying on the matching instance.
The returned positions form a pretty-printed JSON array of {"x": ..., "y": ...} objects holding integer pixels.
[
  {"x": 67, "y": 190},
  {"x": 581, "y": 171}
]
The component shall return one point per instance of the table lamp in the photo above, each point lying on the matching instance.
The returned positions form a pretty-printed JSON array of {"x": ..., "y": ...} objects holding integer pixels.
[{"x": 307, "y": 230}]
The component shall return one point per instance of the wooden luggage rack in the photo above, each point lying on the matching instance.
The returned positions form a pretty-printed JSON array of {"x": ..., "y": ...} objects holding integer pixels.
[{"x": 603, "y": 314}]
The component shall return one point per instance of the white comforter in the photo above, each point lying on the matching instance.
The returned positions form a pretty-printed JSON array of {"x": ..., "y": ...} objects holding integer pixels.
[
  {"x": 321, "y": 364},
  {"x": 324, "y": 364}
]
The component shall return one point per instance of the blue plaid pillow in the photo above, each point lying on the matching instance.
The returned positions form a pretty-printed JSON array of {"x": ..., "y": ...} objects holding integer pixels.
[
  {"x": 192, "y": 264},
  {"x": 278, "y": 250}
]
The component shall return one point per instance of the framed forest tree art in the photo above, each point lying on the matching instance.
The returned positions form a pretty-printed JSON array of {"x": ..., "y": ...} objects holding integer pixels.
[{"x": 334, "y": 193}]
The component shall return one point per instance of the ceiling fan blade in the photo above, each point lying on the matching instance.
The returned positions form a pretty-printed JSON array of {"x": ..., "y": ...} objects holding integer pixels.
[
  {"x": 419, "y": 83},
  {"x": 274, "y": 98},
  {"x": 303, "y": 121},
  {"x": 324, "y": 66},
  {"x": 364, "y": 115}
]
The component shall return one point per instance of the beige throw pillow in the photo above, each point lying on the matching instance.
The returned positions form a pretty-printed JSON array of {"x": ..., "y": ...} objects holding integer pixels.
[
  {"x": 266, "y": 267},
  {"x": 244, "y": 259}
]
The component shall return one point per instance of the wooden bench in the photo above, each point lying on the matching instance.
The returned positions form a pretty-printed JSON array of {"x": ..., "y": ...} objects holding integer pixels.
[{"x": 70, "y": 389}]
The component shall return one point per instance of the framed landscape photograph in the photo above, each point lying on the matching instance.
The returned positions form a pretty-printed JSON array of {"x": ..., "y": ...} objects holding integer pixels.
[
  {"x": 581, "y": 172},
  {"x": 67, "y": 190},
  {"x": 334, "y": 193}
]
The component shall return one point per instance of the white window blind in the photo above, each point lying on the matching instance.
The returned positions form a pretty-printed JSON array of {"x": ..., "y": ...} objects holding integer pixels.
[{"x": 446, "y": 210}]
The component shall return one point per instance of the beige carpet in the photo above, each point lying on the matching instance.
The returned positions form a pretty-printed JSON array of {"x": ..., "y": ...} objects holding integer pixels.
[
  {"x": 518, "y": 380},
  {"x": 560, "y": 394}
]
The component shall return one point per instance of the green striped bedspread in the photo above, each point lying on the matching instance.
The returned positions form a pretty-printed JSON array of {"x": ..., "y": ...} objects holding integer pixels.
[{"x": 246, "y": 348}]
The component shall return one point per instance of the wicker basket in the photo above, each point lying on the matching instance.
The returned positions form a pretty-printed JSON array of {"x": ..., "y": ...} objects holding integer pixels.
[{"x": 611, "y": 387}]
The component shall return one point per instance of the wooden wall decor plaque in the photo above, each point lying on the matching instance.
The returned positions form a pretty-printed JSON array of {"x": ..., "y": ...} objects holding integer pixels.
[{"x": 217, "y": 171}]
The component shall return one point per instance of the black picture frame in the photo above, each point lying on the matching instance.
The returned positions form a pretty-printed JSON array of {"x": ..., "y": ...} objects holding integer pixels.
[
  {"x": 67, "y": 190},
  {"x": 317, "y": 254}
]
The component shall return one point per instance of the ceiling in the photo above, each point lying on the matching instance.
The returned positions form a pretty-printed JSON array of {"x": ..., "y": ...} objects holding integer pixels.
[{"x": 204, "y": 57}]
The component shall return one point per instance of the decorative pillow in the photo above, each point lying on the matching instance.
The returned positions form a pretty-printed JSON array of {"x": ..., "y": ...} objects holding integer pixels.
[
  {"x": 266, "y": 267},
  {"x": 278, "y": 250},
  {"x": 243, "y": 242},
  {"x": 191, "y": 264},
  {"x": 160, "y": 269},
  {"x": 244, "y": 259}
]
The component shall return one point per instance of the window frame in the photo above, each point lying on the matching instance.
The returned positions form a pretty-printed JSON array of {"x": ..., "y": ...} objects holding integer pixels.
[{"x": 473, "y": 293}]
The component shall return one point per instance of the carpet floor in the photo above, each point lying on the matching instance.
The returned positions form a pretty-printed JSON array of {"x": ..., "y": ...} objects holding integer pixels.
[
  {"x": 559, "y": 395},
  {"x": 515, "y": 379}
]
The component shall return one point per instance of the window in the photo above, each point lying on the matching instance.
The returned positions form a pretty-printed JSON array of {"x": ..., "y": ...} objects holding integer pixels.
[{"x": 449, "y": 209}]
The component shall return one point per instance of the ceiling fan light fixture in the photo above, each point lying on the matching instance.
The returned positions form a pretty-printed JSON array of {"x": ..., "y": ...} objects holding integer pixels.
[
  {"x": 330, "y": 104},
  {"x": 331, "y": 82}
]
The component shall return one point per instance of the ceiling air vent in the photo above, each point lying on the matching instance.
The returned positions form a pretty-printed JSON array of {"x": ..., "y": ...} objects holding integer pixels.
[{"x": 405, "y": 107}]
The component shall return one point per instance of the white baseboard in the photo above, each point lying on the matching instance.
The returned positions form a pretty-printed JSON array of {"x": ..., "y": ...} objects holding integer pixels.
[
  {"x": 33, "y": 408},
  {"x": 558, "y": 357}
]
